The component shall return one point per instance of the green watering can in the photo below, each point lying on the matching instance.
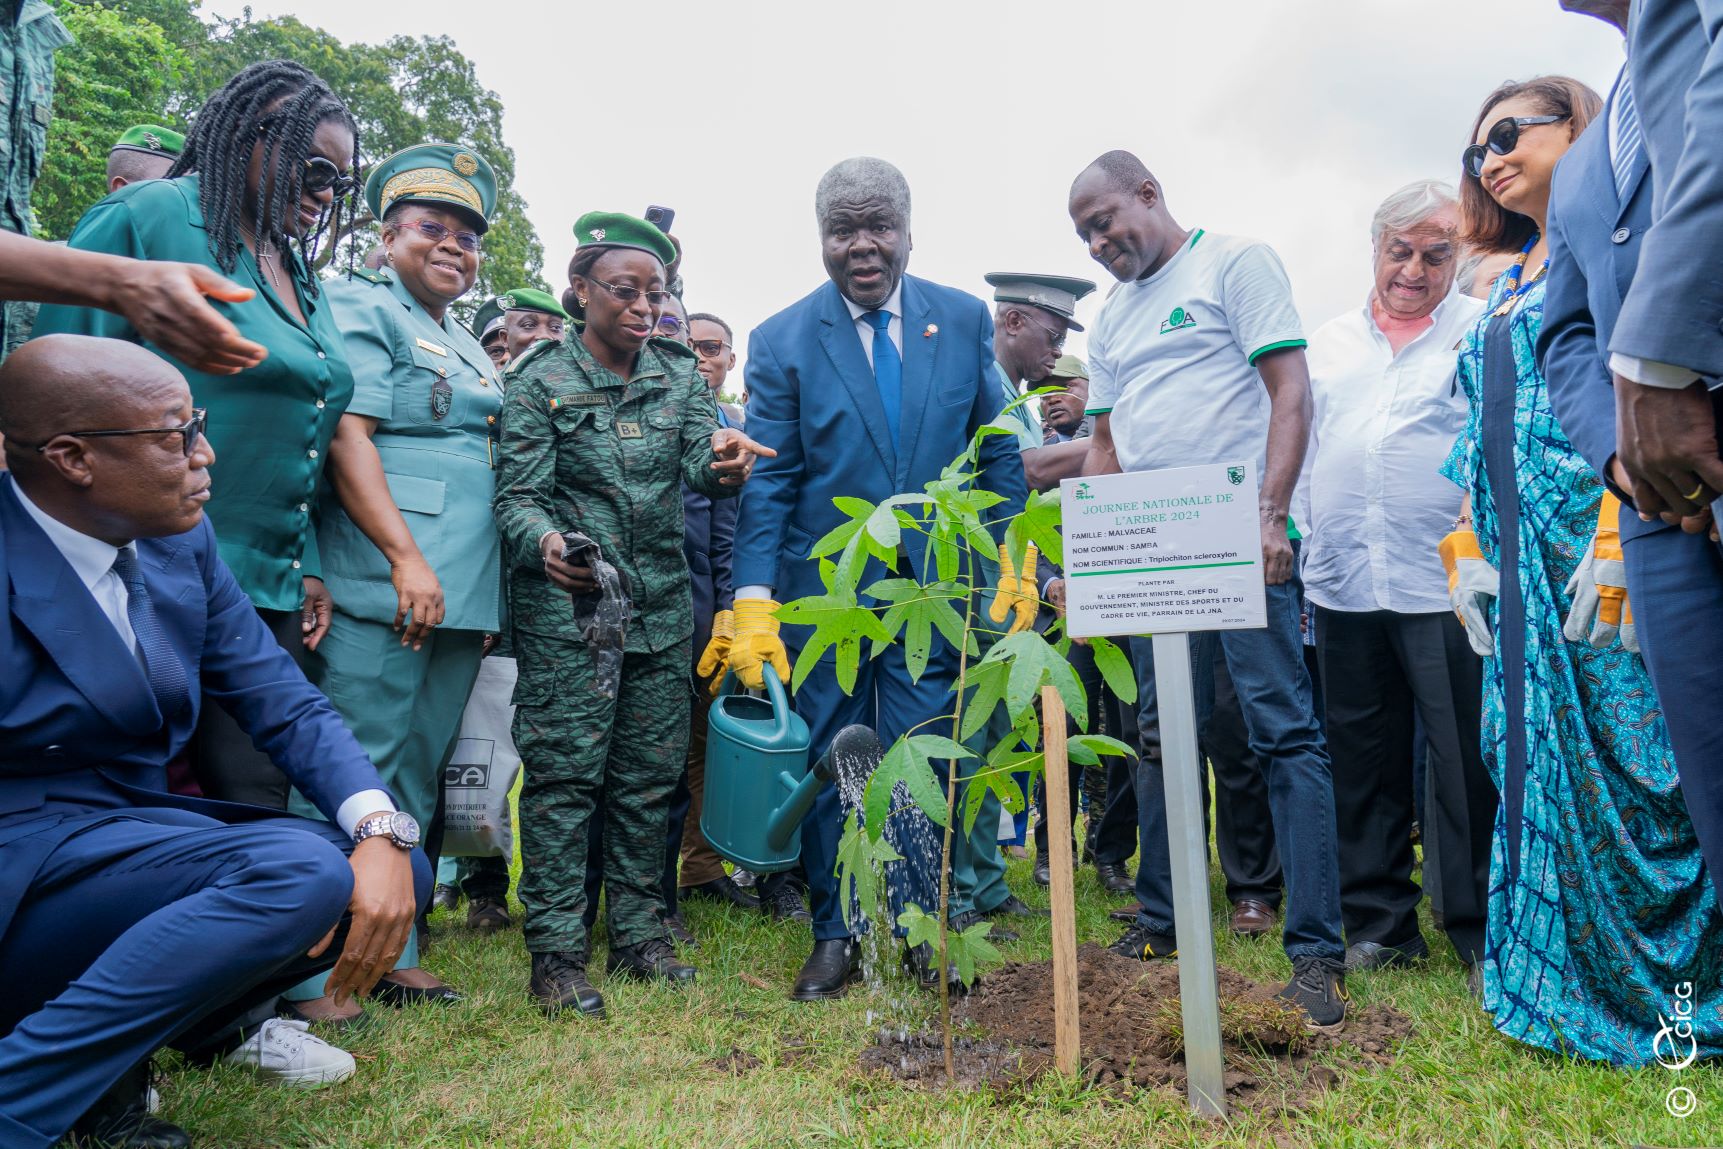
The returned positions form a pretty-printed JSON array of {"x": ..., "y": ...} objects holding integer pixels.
[{"x": 758, "y": 785}]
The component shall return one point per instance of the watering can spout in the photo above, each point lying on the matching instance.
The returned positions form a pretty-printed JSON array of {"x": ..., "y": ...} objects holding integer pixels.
[{"x": 854, "y": 753}]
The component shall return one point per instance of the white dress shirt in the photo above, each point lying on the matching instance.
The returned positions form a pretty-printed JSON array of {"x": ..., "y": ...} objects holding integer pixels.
[
  {"x": 1382, "y": 426},
  {"x": 893, "y": 306},
  {"x": 92, "y": 560}
]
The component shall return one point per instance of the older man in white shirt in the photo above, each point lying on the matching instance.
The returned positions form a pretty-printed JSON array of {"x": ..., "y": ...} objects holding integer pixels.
[{"x": 1392, "y": 652}]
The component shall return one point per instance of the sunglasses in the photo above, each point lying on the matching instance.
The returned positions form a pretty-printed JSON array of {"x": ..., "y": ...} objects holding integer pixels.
[
  {"x": 630, "y": 294},
  {"x": 191, "y": 432},
  {"x": 1504, "y": 137},
  {"x": 669, "y": 325},
  {"x": 709, "y": 348},
  {"x": 323, "y": 175},
  {"x": 1056, "y": 338},
  {"x": 467, "y": 241}
]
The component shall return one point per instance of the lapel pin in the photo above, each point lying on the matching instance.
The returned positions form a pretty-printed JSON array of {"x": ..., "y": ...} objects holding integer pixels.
[{"x": 932, "y": 330}]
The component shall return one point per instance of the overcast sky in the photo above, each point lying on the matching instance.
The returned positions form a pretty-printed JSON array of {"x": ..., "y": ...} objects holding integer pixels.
[{"x": 1285, "y": 120}]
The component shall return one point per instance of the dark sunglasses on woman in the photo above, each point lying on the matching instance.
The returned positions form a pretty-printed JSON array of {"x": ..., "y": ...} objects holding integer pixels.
[
  {"x": 1504, "y": 137},
  {"x": 323, "y": 175}
]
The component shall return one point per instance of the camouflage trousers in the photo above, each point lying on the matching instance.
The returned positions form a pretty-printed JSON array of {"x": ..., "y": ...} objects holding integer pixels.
[{"x": 576, "y": 748}]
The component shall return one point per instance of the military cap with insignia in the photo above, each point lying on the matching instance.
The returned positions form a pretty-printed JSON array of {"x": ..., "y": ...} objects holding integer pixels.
[
  {"x": 441, "y": 175},
  {"x": 531, "y": 299},
  {"x": 618, "y": 229},
  {"x": 1069, "y": 367},
  {"x": 488, "y": 318},
  {"x": 1057, "y": 294},
  {"x": 152, "y": 139}
]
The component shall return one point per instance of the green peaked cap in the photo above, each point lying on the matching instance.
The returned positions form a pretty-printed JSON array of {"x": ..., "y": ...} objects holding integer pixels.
[
  {"x": 151, "y": 138},
  {"x": 618, "y": 229},
  {"x": 441, "y": 175},
  {"x": 531, "y": 299},
  {"x": 1069, "y": 367},
  {"x": 489, "y": 312}
]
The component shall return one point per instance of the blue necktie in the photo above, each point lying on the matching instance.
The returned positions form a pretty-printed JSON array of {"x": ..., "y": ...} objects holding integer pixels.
[
  {"x": 887, "y": 369},
  {"x": 1628, "y": 140},
  {"x": 166, "y": 674}
]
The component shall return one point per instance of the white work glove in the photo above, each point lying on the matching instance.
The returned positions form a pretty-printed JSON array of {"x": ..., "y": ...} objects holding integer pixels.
[
  {"x": 1601, "y": 612},
  {"x": 1472, "y": 583}
]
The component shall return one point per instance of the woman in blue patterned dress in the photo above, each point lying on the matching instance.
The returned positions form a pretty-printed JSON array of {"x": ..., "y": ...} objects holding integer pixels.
[{"x": 1600, "y": 913}]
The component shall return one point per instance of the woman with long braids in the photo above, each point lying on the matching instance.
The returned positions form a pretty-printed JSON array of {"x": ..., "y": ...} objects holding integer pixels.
[
  {"x": 267, "y": 170},
  {"x": 409, "y": 546}
]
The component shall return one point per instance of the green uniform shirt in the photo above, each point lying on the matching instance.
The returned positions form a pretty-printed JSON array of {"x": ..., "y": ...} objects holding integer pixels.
[
  {"x": 30, "y": 34},
  {"x": 270, "y": 425},
  {"x": 437, "y": 453},
  {"x": 583, "y": 450}
]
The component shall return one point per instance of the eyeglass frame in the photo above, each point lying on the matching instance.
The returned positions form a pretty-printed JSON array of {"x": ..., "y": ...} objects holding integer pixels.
[
  {"x": 1482, "y": 151},
  {"x": 626, "y": 294},
  {"x": 341, "y": 183},
  {"x": 720, "y": 344},
  {"x": 198, "y": 423},
  {"x": 1058, "y": 339},
  {"x": 437, "y": 233},
  {"x": 677, "y": 323}
]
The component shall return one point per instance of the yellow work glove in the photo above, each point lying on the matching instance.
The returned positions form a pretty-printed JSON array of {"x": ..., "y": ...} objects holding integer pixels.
[
  {"x": 1017, "y": 595},
  {"x": 1601, "y": 612},
  {"x": 1471, "y": 583},
  {"x": 717, "y": 651},
  {"x": 756, "y": 643}
]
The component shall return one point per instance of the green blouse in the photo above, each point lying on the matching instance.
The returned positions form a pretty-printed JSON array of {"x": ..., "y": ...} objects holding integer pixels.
[{"x": 270, "y": 425}]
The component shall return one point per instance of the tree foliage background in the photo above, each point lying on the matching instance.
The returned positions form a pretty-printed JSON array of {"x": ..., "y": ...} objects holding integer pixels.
[{"x": 156, "y": 61}]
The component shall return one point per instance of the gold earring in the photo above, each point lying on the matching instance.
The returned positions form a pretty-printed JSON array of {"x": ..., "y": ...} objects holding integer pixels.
[{"x": 580, "y": 301}]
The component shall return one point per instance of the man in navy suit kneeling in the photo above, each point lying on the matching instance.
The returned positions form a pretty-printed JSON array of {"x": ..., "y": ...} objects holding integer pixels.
[{"x": 131, "y": 917}]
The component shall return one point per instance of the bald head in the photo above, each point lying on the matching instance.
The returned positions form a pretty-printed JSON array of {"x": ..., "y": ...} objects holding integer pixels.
[
  {"x": 1121, "y": 170},
  {"x": 55, "y": 389}
]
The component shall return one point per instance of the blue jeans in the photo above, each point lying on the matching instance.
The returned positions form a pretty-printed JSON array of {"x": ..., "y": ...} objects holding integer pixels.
[{"x": 1275, "y": 694}]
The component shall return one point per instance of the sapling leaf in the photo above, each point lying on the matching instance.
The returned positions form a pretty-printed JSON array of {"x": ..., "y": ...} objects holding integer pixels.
[
  {"x": 966, "y": 950},
  {"x": 922, "y": 927},
  {"x": 1115, "y": 668},
  {"x": 988, "y": 680},
  {"x": 1087, "y": 749},
  {"x": 908, "y": 761},
  {"x": 840, "y": 624},
  {"x": 1039, "y": 523}
]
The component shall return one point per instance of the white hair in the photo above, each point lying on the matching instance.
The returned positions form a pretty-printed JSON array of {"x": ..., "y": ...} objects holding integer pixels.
[
  {"x": 860, "y": 178},
  {"x": 1412, "y": 205}
]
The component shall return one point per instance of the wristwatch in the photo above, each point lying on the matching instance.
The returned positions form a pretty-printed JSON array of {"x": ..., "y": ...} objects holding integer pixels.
[{"x": 399, "y": 827}]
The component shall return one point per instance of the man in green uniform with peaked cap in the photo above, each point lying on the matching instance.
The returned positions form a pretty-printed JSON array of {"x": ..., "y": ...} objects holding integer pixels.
[{"x": 531, "y": 315}]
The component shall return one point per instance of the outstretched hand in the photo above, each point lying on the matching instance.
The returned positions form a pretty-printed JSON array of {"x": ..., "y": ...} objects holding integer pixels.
[
  {"x": 734, "y": 454},
  {"x": 169, "y": 305}
]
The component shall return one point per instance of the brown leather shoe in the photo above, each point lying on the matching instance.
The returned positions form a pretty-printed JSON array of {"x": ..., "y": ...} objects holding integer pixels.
[{"x": 1251, "y": 918}]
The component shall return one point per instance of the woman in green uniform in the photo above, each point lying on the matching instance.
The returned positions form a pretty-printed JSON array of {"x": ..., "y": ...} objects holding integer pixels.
[
  {"x": 267, "y": 163},
  {"x": 409, "y": 547},
  {"x": 599, "y": 434}
]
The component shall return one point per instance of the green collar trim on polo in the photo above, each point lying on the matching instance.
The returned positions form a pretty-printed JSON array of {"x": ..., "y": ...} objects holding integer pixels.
[{"x": 1195, "y": 235}]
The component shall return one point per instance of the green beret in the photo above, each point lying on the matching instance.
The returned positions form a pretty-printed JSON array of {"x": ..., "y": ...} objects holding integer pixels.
[
  {"x": 1069, "y": 367},
  {"x": 1054, "y": 294},
  {"x": 618, "y": 229},
  {"x": 151, "y": 138},
  {"x": 440, "y": 175},
  {"x": 489, "y": 312},
  {"x": 531, "y": 299}
]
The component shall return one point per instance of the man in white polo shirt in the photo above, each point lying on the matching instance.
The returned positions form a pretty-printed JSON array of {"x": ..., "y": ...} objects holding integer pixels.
[
  {"x": 1386, "y": 415},
  {"x": 1198, "y": 357}
]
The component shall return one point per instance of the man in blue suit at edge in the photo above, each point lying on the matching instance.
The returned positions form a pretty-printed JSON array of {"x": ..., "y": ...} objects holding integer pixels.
[
  {"x": 130, "y": 917},
  {"x": 1651, "y": 171},
  {"x": 868, "y": 387}
]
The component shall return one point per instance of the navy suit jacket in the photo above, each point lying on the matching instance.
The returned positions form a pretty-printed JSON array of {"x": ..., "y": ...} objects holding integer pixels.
[
  {"x": 1594, "y": 240},
  {"x": 813, "y": 399},
  {"x": 80, "y": 731},
  {"x": 1674, "y": 311}
]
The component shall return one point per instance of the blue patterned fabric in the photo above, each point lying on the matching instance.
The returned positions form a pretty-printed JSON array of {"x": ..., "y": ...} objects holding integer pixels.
[{"x": 1611, "y": 909}]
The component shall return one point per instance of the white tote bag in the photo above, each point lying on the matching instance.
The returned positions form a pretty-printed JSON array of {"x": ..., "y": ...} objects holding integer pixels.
[{"x": 483, "y": 770}]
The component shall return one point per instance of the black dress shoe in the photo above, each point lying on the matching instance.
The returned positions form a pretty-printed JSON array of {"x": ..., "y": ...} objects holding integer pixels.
[
  {"x": 785, "y": 904},
  {"x": 1042, "y": 872},
  {"x": 121, "y": 1119},
  {"x": 559, "y": 983},
  {"x": 651, "y": 960},
  {"x": 393, "y": 993},
  {"x": 923, "y": 964},
  {"x": 967, "y": 918},
  {"x": 829, "y": 970},
  {"x": 721, "y": 889},
  {"x": 1115, "y": 879},
  {"x": 1017, "y": 908}
]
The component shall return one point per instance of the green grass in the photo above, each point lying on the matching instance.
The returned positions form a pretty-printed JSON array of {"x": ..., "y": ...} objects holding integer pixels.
[{"x": 494, "y": 1072}]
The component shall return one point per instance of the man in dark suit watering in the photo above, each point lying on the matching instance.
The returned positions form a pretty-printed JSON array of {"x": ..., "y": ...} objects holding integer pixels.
[
  {"x": 130, "y": 917},
  {"x": 868, "y": 387}
]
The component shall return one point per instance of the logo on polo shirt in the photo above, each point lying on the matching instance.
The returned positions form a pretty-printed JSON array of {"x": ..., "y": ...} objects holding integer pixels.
[{"x": 1179, "y": 318}]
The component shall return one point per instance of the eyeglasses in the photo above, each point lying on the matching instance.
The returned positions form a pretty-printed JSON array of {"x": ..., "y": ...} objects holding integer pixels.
[
  {"x": 630, "y": 294},
  {"x": 1057, "y": 338},
  {"x": 191, "y": 431},
  {"x": 435, "y": 232},
  {"x": 323, "y": 175},
  {"x": 709, "y": 348},
  {"x": 1504, "y": 137},
  {"x": 670, "y": 325}
]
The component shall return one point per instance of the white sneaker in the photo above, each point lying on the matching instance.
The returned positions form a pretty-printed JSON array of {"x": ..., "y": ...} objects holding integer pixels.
[{"x": 285, "y": 1051}]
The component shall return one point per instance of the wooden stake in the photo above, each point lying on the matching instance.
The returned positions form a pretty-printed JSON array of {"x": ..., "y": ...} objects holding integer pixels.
[{"x": 1067, "y": 1048}]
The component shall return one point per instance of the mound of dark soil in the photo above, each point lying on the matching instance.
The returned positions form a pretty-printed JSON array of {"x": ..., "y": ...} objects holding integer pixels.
[{"x": 1132, "y": 1034}]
